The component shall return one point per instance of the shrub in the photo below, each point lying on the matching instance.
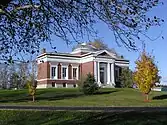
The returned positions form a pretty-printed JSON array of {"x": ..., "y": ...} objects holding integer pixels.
[
  {"x": 126, "y": 78},
  {"x": 89, "y": 85}
]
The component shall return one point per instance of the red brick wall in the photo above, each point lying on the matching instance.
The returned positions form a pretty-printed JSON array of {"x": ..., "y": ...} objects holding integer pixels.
[
  {"x": 43, "y": 70},
  {"x": 70, "y": 71},
  {"x": 59, "y": 71},
  {"x": 57, "y": 81},
  {"x": 87, "y": 68}
]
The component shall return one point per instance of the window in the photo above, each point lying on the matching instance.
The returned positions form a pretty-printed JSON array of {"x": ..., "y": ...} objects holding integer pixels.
[
  {"x": 53, "y": 71},
  {"x": 53, "y": 84},
  {"x": 117, "y": 74},
  {"x": 64, "y": 85},
  {"x": 74, "y": 85},
  {"x": 74, "y": 73},
  {"x": 64, "y": 73}
]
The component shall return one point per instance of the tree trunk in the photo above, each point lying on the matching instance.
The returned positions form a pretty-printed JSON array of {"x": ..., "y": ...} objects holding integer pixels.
[
  {"x": 33, "y": 98},
  {"x": 146, "y": 98}
]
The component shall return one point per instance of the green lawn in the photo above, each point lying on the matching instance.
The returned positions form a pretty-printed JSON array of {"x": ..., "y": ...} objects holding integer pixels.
[
  {"x": 72, "y": 97},
  {"x": 81, "y": 118}
]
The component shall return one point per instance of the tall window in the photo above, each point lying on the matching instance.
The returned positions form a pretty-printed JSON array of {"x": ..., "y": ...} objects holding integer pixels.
[
  {"x": 74, "y": 73},
  {"x": 64, "y": 72},
  {"x": 53, "y": 70},
  {"x": 117, "y": 74}
]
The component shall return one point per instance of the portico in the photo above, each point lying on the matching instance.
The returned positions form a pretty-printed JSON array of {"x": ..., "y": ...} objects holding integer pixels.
[{"x": 104, "y": 73}]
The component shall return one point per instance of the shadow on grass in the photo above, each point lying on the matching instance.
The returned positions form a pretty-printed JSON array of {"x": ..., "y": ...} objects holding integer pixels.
[
  {"x": 48, "y": 96},
  {"x": 161, "y": 97},
  {"x": 105, "y": 92},
  {"x": 83, "y": 118},
  {"x": 40, "y": 98}
]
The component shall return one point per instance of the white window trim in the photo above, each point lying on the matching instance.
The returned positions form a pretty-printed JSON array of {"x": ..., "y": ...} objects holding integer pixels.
[
  {"x": 55, "y": 71},
  {"x": 76, "y": 72},
  {"x": 66, "y": 72}
]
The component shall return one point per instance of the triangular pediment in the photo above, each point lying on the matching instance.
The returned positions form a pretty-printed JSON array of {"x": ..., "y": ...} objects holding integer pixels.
[{"x": 104, "y": 53}]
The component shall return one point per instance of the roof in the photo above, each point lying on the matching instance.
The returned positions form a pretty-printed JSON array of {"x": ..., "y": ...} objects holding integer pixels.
[{"x": 95, "y": 54}]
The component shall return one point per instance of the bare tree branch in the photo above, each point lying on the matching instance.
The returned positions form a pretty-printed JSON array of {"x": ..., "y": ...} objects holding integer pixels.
[{"x": 25, "y": 24}]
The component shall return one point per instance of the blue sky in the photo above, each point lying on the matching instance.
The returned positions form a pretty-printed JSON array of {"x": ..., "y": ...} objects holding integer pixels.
[{"x": 157, "y": 48}]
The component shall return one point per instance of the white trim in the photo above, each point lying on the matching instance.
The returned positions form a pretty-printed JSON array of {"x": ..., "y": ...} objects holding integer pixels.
[
  {"x": 79, "y": 51},
  {"x": 40, "y": 86},
  {"x": 112, "y": 74},
  {"x": 104, "y": 60},
  {"x": 43, "y": 79},
  {"x": 64, "y": 66},
  {"x": 85, "y": 60},
  {"x": 78, "y": 60},
  {"x": 67, "y": 59},
  {"x": 98, "y": 69},
  {"x": 95, "y": 70},
  {"x": 53, "y": 79},
  {"x": 108, "y": 73},
  {"x": 76, "y": 73},
  {"x": 55, "y": 71},
  {"x": 102, "y": 51},
  {"x": 122, "y": 64}
]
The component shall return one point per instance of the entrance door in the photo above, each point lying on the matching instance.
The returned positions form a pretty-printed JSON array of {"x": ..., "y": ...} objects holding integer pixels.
[{"x": 102, "y": 75}]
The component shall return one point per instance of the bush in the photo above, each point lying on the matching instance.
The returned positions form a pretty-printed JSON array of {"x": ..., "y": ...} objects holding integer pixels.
[
  {"x": 126, "y": 78},
  {"x": 89, "y": 85}
]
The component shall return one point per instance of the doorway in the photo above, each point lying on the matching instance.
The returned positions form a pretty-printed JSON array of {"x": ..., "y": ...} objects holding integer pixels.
[{"x": 102, "y": 75}]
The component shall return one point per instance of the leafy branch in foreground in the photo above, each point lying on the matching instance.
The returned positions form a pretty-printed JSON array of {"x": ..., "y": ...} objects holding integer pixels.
[{"x": 25, "y": 24}]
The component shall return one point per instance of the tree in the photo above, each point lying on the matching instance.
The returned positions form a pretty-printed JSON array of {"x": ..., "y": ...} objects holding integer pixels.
[
  {"x": 146, "y": 73},
  {"x": 126, "y": 78},
  {"x": 89, "y": 85},
  {"x": 15, "y": 80},
  {"x": 24, "y": 24},
  {"x": 100, "y": 45},
  {"x": 3, "y": 76},
  {"x": 23, "y": 73},
  {"x": 32, "y": 88}
]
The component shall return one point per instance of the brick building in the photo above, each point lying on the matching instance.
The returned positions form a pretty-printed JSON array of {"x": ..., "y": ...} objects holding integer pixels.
[{"x": 64, "y": 69}]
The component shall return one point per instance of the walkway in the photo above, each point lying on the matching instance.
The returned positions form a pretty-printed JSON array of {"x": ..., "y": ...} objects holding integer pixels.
[{"x": 98, "y": 109}]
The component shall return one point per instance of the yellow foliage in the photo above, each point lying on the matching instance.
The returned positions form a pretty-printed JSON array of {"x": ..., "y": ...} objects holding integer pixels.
[
  {"x": 31, "y": 88},
  {"x": 146, "y": 73}
]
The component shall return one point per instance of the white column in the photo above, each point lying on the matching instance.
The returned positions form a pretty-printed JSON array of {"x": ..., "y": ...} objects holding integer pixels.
[
  {"x": 112, "y": 74},
  {"x": 98, "y": 69},
  {"x": 67, "y": 73},
  {"x": 108, "y": 73},
  {"x": 95, "y": 71}
]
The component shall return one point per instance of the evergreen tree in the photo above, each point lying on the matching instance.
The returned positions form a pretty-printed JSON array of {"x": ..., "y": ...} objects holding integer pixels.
[
  {"x": 89, "y": 85},
  {"x": 126, "y": 78}
]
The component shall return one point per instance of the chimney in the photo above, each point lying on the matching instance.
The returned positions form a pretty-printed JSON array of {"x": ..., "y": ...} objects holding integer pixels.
[{"x": 43, "y": 51}]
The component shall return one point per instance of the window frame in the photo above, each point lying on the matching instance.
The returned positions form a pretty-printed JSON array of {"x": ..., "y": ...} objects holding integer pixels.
[
  {"x": 56, "y": 72},
  {"x": 66, "y": 72},
  {"x": 75, "y": 67}
]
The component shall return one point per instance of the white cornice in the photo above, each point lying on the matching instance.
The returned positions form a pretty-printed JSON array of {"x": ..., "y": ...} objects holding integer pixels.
[
  {"x": 122, "y": 64},
  {"x": 88, "y": 58}
]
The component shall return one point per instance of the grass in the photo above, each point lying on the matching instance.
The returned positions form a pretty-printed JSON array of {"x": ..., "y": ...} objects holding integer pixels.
[
  {"x": 72, "y": 97},
  {"x": 81, "y": 118}
]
